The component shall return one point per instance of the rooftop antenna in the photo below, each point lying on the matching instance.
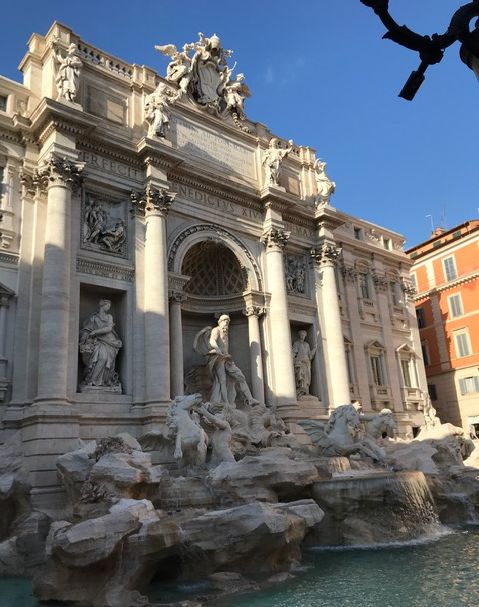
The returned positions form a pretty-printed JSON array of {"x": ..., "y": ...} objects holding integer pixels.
[
  {"x": 432, "y": 223},
  {"x": 443, "y": 217}
]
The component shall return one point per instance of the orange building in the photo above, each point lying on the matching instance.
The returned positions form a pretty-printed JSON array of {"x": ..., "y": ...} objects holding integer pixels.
[{"x": 446, "y": 276}]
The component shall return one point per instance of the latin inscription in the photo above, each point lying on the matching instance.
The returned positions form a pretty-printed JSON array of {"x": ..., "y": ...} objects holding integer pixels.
[
  {"x": 110, "y": 166},
  {"x": 214, "y": 148},
  {"x": 215, "y": 202}
]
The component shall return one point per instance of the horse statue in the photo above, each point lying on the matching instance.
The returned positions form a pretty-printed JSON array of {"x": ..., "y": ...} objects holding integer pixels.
[
  {"x": 341, "y": 435},
  {"x": 191, "y": 441},
  {"x": 379, "y": 423}
]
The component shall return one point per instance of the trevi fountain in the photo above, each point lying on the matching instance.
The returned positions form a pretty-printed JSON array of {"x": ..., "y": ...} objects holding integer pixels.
[{"x": 209, "y": 386}]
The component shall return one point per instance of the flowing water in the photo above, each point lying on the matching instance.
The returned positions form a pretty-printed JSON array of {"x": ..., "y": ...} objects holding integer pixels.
[{"x": 433, "y": 573}]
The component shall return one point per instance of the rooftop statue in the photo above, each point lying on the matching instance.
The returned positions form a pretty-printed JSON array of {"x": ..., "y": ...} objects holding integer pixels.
[
  {"x": 272, "y": 159},
  {"x": 201, "y": 72},
  {"x": 68, "y": 74},
  {"x": 325, "y": 187},
  {"x": 157, "y": 113}
]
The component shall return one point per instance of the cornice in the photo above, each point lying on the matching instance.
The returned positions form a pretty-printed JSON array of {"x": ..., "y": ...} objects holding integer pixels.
[
  {"x": 51, "y": 115},
  {"x": 97, "y": 146},
  {"x": 447, "y": 285}
]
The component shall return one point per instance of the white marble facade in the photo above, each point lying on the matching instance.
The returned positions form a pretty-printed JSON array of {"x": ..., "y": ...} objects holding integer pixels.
[{"x": 212, "y": 227}]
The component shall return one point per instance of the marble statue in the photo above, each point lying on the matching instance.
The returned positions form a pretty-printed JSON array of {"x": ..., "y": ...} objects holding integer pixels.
[
  {"x": 191, "y": 441},
  {"x": 179, "y": 68},
  {"x": 100, "y": 230},
  {"x": 157, "y": 113},
  {"x": 221, "y": 436},
  {"x": 68, "y": 73},
  {"x": 235, "y": 92},
  {"x": 341, "y": 435},
  {"x": 295, "y": 270},
  {"x": 272, "y": 158},
  {"x": 379, "y": 423},
  {"x": 303, "y": 354},
  {"x": 99, "y": 347},
  {"x": 201, "y": 72},
  {"x": 228, "y": 379},
  {"x": 325, "y": 187}
]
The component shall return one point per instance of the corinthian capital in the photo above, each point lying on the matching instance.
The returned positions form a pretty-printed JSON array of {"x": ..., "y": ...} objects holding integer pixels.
[
  {"x": 58, "y": 171},
  {"x": 275, "y": 237},
  {"x": 152, "y": 201},
  {"x": 327, "y": 253}
]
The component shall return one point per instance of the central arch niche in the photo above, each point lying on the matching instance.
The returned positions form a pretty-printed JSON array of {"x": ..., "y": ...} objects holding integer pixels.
[
  {"x": 217, "y": 284},
  {"x": 214, "y": 271}
]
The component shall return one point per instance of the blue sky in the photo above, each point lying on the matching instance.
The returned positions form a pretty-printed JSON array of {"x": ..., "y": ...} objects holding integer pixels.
[{"x": 321, "y": 75}]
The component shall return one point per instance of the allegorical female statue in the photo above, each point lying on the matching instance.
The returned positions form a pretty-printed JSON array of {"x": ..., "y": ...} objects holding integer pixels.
[
  {"x": 99, "y": 346},
  {"x": 68, "y": 74}
]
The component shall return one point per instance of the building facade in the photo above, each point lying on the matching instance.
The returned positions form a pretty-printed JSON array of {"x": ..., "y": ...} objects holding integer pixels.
[
  {"x": 446, "y": 275},
  {"x": 135, "y": 210}
]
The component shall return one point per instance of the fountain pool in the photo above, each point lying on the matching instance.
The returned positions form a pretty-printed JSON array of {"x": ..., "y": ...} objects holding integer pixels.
[{"x": 443, "y": 572}]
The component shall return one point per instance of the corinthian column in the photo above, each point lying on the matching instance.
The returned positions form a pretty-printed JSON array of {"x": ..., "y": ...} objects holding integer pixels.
[
  {"x": 176, "y": 343},
  {"x": 327, "y": 300},
  {"x": 154, "y": 204},
  {"x": 256, "y": 360},
  {"x": 59, "y": 176},
  {"x": 280, "y": 334}
]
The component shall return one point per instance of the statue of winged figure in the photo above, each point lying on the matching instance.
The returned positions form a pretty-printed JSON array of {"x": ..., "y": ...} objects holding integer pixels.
[{"x": 179, "y": 68}]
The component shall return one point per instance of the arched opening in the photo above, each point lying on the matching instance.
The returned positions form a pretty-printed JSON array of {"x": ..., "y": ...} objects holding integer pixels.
[
  {"x": 217, "y": 283},
  {"x": 214, "y": 271}
]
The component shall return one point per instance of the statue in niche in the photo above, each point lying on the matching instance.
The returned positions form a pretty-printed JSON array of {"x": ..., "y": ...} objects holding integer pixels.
[
  {"x": 157, "y": 113},
  {"x": 99, "y": 347},
  {"x": 295, "y": 269},
  {"x": 303, "y": 354},
  {"x": 221, "y": 435},
  {"x": 228, "y": 379},
  {"x": 100, "y": 230},
  {"x": 68, "y": 73},
  {"x": 325, "y": 187},
  {"x": 272, "y": 158}
]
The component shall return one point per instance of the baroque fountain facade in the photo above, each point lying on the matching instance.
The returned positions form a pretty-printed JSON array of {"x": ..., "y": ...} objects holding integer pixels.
[{"x": 204, "y": 362}]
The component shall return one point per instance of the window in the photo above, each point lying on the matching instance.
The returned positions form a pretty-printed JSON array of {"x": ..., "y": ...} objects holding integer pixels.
[
  {"x": 377, "y": 370},
  {"x": 455, "y": 305},
  {"x": 425, "y": 353},
  {"x": 463, "y": 347},
  {"x": 387, "y": 243},
  {"x": 449, "y": 268},
  {"x": 348, "y": 347},
  {"x": 358, "y": 234},
  {"x": 421, "y": 319},
  {"x": 431, "y": 388},
  {"x": 406, "y": 373},
  {"x": 3, "y": 103},
  {"x": 396, "y": 293},
  {"x": 375, "y": 352},
  {"x": 469, "y": 385},
  {"x": 364, "y": 286}
]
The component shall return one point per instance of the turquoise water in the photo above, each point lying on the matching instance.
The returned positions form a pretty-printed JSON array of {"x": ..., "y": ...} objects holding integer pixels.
[{"x": 442, "y": 573}]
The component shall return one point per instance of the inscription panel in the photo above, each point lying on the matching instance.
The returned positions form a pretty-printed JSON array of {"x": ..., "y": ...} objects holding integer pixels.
[
  {"x": 107, "y": 165},
  {"x": 207, "y": 145}
]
